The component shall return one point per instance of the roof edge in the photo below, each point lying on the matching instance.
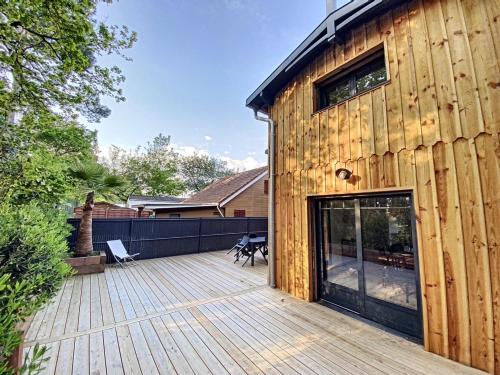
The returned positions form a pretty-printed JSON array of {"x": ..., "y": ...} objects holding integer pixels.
[
  {"x": 335, "y": 23},
  {"x": 230, "y": 197}
]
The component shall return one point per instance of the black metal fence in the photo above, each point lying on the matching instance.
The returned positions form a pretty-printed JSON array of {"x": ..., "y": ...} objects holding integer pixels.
[{"x": 156, "y": 238}]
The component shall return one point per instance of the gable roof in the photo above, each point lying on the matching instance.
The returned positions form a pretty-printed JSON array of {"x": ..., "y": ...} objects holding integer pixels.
[
  {"x": 219, "y": 191},
  {"x": 332, "y": 28}
]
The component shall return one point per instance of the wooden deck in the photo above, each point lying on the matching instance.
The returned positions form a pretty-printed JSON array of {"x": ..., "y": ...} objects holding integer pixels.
[{"x": 201, "y": 314}]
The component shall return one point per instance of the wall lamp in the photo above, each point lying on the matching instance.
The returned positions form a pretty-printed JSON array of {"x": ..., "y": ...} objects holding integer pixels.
[{"x": 343, "y": 174}]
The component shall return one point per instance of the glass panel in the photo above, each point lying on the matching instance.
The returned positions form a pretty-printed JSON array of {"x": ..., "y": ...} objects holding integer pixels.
[
  {"x": 371, "y": 76},
  {"x": 388, "y": 254},
  {"x": 339, "y": 243},
  {"x": 337, "y": 93}
]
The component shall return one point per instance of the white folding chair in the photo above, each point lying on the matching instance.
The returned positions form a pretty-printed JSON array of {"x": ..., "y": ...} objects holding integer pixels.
[{"x": 120, "y": 253}]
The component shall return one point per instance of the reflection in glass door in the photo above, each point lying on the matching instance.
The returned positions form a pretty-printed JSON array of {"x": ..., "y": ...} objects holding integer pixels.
[
  {"x": 368, "y": 259},
  {"x": 340, "y": 269}
]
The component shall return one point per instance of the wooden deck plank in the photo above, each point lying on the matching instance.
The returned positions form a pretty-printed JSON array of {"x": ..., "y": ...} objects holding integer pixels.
[
  {"x": 74, "y": 308},
  {"x": 95, "y": 302},
  {"x": 118, "y": 311},
  {"x": 202, "y": 314},
  {"x": 97, "y": 354},
  {"x": 175, "y": 355},
  {"x": 84, "y": 315},
  {"x": 81, "y": 356},
  {"x": 65, "y": 357},
  {"x": 146, "y": 361},
  {"x": 210, "y": 360},
  {"x": 160, "y": 356},
  {"x": 234, "y": 351},
  {"x": 106, "y": 305},
  {"x": 129, "y": 359},
  {"x": 112, "y": 352},
  {"x": 263, "y": 364},
  {"x": 62, "y": 312},
  {"x": 126, "y": 303},
  {"x": 195, "y": 362}
]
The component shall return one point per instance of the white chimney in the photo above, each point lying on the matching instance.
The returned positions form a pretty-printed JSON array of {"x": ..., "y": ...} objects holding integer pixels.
[{"x": 331, "y": 5}]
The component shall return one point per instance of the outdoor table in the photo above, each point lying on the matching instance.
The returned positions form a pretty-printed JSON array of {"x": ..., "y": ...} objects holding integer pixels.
[{"x": 256, "y": 241}]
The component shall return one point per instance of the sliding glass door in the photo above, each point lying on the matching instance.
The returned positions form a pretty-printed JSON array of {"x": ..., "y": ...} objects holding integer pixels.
[{"x": 367, "y": 258}]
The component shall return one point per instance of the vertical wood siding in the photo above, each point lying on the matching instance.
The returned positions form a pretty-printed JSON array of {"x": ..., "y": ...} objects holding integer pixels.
[{"x": 433, "y": 128}]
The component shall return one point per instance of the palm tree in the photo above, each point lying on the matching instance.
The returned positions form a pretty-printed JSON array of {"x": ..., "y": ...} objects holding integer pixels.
[{"x": 93, "y": 180}]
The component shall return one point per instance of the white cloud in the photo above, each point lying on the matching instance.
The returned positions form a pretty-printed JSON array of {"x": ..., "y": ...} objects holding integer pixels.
[
  {"x": 188, "y": 150},
  {"x": 208, "y": 138},
  {"x": 241, "y": 165},
  {"x": 238, "y": 165},
  {"x": 251, "y": 153}
]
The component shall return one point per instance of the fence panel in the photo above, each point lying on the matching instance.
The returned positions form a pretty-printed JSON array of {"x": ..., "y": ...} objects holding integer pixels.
[{"x": 155, "y": 238}]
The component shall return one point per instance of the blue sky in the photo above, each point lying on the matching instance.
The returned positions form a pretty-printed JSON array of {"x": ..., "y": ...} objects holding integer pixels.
[{"x": 194, "y": 65}]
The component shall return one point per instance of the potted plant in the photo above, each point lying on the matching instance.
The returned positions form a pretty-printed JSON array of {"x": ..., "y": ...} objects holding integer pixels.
[{"x": 92, "y": 180}]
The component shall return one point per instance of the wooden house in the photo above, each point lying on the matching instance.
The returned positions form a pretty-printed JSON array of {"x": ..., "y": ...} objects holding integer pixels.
[
  {"x": 240, "y": 195},
  {"x": 105, "y": 210},
  {"x": 385, "y": 127}
]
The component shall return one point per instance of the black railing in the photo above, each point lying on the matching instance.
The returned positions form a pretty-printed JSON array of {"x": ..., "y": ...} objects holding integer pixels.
[{"x": 156, "y": 238}]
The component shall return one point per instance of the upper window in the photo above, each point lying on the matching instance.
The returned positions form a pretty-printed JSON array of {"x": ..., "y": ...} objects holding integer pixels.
[
  {"x": 266, "y": 186},
  {"x": 361, "y": 77}
]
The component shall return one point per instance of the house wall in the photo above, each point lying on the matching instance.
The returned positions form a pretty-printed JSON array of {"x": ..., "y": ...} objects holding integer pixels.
[
  {"x": 110, "y": 212},
  {"x": 434, "y": 129},
  {"x": 252, "y": 200},
  {"x": 206, "y": 212}
]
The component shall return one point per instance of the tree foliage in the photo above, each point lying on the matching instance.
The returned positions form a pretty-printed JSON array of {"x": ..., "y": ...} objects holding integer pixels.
[
  {"x": 49, "y": 75},
  {"x": 35, "y": 157},
  {"x": 48, "y": 57},
  {"x": 150, "y": 170},
  {"x": 32, "y": 268},
  {"x": 199, "y": 170}
]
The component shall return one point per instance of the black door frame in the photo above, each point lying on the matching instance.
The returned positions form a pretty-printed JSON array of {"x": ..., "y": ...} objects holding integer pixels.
[{"x": 316, "y": 237}]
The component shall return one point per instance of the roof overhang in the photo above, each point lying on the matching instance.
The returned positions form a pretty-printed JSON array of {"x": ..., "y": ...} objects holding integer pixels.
[
  {"x": 331, "y": 29},
  {"x": 179, "y": 206}
]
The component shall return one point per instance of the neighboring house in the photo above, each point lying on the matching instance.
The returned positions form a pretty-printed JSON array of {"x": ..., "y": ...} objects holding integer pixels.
[
  {"x": 241, "y": 195},
  {"x": 135, "y": 201},
  {"x": 387, "y": 170},
  {"x": 104, "y": 210}
]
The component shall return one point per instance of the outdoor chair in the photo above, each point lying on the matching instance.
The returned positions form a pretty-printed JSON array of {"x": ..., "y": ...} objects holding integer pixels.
[
  {"x": 247, "y": 251},
  {"x": 251, "y": 249},
  {"x": 120, "y": 253},
  {"x": 242, "y": 242}
]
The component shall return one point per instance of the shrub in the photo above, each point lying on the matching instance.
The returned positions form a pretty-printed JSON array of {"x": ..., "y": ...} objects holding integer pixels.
[{"x": 32, "y": 269}]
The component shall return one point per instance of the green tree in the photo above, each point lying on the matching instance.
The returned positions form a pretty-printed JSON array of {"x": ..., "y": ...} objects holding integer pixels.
[
  {"x": 35, "y": 157},
  {"x": 93, "y": 180},
  {"x": 48, "y": 57},
  {"x": 198, "y": 171},
  {"x": 150, "y": 170},
  {"x": 49, "y": 74}
]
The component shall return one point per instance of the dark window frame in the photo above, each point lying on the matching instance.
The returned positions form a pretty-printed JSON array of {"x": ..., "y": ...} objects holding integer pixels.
[
  {"x": 239, "y": 213},
  {"x": 350, "y": 74},
  {"x": 266, "y": 187}
]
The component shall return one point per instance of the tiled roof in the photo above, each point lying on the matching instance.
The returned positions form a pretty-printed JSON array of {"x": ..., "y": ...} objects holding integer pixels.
[{"x": 219, "y": 190}]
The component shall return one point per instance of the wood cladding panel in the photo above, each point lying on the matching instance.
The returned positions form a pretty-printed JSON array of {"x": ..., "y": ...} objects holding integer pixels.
[{"x": 432, "y": 128}]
